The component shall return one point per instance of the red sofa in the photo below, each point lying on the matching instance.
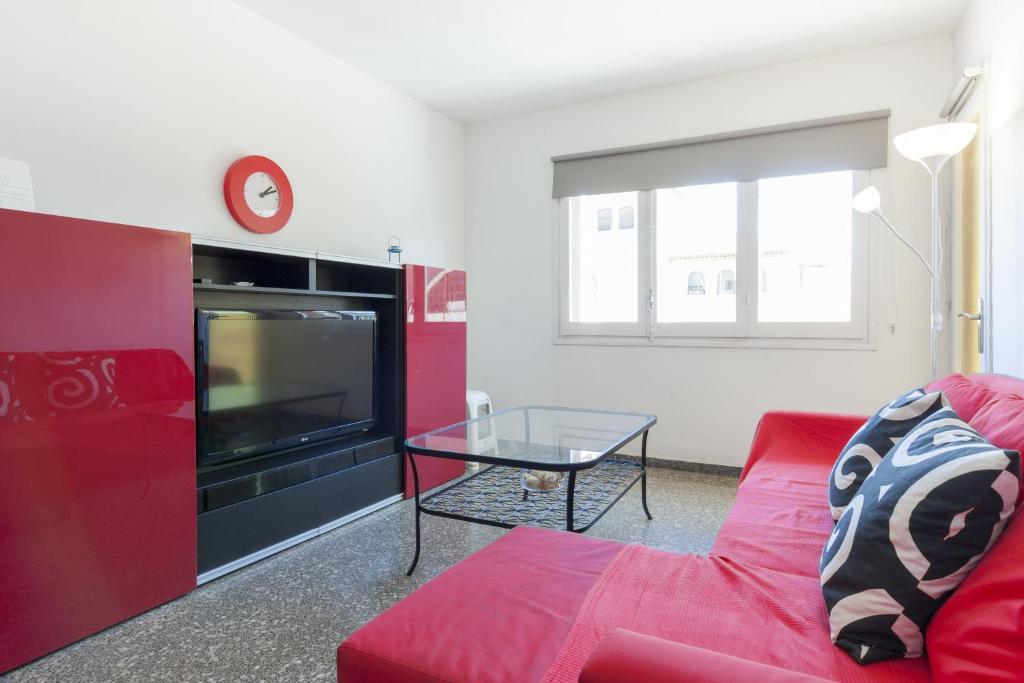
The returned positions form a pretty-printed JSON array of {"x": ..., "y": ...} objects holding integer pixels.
[{"x": 552, "y": 606}]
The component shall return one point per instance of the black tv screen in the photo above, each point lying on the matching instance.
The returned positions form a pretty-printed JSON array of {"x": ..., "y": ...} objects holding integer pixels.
[{"x": 269, "y": 380}]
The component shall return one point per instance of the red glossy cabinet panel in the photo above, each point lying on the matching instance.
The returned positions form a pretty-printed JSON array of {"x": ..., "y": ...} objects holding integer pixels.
[
  {"x": 97, "y": 428},
  {"x": 435, "y": 363}
]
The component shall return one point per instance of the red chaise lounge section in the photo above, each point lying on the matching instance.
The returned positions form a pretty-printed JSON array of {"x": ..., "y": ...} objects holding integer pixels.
[
  {"x": 552, "y": 606},
  {"x": 501, "y": 614}
]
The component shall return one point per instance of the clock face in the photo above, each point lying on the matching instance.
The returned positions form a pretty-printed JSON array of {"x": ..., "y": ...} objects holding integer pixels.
[
  {"x": 262, "y": 195},
  {"x": 258, "y": 194}
]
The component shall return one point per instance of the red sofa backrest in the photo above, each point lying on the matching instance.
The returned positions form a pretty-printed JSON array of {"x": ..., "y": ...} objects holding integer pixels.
[
  {"x": 992, "y": 404},
  {"x": 976, "y": 636}
]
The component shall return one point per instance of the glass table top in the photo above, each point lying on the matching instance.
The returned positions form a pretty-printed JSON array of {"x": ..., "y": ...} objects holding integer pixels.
[{"x": 540, "y": 437}]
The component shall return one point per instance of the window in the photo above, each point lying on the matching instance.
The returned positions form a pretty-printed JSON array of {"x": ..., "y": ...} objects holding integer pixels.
[
  {"x": 727, "y": 282},
  {"x": 803, "y": 234},
  {"x": 695, "y": 283},
  {"x": 700, "y": 259},
  {"x": 603, "y": 263},
  {"x": 695, "y": 229},
  {"x": 626, "y": 218}
]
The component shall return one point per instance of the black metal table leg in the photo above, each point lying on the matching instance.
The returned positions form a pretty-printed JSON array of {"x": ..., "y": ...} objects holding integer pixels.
[
  {"x": 570, "y": 500},
  {"x": 416, "y": 486},
  {"x": 643, "y": 474}
]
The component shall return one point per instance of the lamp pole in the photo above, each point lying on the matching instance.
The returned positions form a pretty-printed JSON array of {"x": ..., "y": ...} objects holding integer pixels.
[{"x": 936, "y": 271}]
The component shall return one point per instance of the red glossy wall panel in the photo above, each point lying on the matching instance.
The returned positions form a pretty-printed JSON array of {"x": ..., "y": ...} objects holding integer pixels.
[
  {"x": 97, "y": 428},
  {"x": 435, "y": 363}
]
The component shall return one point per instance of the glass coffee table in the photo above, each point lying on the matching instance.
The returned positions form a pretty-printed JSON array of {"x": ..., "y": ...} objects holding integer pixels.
[{"x": 549, "y": 467}]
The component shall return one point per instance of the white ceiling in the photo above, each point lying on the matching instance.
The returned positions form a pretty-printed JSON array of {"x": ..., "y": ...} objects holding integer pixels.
[{"x": 483, "y": 59}]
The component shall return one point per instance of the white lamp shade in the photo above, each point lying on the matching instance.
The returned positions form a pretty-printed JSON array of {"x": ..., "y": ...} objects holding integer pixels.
[
  {"x": 934, "y": 145},
  {"x": 867, "y": 200}
]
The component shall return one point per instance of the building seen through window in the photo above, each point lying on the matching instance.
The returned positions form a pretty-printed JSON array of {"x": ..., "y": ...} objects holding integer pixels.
[
  {"x": 726, "y": 282},
  {"x": 626, "y": 219},
  {"x": 695, "y": 283}
]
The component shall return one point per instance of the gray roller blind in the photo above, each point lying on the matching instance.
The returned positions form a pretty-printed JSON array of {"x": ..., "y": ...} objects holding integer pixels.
[{"x": 854, "y": 142}]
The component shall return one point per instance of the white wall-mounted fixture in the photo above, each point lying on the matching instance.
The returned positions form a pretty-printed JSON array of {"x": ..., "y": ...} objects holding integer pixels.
[
  {"x": 932, "y": 147},
  {"x": 961, "y": 92}
]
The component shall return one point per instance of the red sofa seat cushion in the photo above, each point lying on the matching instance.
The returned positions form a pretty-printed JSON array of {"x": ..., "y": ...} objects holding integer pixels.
[
  {"x": 626, "y": 657},
  {"x": 499, "y": 615},
  {"x": 719, "y": 605},
  {"x": 978, "y": 635},
  {"x": 780, "y": 518},
  {"x": 778, "y": 521}
]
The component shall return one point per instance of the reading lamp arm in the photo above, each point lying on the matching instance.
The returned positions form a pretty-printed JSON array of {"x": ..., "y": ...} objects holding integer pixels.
[{"x": 901, "y": 238}]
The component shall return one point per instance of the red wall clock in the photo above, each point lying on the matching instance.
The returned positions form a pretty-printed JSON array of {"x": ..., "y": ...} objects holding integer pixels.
[{"x": 258, "y": 194}]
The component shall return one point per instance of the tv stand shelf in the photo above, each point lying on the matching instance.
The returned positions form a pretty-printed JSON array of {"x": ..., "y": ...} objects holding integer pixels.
[
  {"x": 289, "y": 274},
  {"x": 363, "y": 295},
  {"x": 254, "y": 477},
  {"x": 252, "y": 507},
  {"x": 283, "y": 290}
]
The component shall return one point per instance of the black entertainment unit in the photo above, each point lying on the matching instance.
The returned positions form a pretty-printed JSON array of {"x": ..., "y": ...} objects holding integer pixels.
[{"x": 299, "y": 398}]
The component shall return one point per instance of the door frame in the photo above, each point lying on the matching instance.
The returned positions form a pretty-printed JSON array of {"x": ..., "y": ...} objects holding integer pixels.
[{"x": 977, "y": 107}]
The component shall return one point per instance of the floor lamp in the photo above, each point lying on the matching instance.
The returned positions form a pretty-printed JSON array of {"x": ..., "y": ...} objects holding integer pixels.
[{"x": 932, "y": 147}]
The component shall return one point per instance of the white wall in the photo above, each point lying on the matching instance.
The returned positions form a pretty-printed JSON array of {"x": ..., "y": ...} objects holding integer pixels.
[
  {"x": 993, "y": 29},
  {"x": 132, "y": 111},
  {"x": 707, "y": 400}
]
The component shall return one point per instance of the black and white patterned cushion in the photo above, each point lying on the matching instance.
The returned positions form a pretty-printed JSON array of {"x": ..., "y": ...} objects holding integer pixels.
[
  {"x": 920, "y": 522},
  {"x": 873, "y": 440}
]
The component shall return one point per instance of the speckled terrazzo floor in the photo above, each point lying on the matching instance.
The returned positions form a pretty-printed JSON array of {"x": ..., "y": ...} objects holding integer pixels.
[{"x": 282, "y": 619}]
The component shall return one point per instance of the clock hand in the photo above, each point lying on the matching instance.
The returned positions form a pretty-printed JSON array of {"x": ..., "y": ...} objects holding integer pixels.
[{"x": 269, "y": 190}]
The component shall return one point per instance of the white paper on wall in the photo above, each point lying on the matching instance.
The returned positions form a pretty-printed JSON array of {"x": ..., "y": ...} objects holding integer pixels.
[{"x": 16, "y": 186}]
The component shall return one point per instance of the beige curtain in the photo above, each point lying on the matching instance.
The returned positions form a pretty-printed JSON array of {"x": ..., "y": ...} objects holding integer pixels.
[{"x": 971, "y": 249}]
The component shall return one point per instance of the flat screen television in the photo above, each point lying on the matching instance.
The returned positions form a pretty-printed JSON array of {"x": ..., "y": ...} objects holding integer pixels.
[{"x": 267, "y": 380}]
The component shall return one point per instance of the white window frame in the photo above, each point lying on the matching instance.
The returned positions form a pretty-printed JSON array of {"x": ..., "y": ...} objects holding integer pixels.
[
  {"x": 578, "y": 329},
  {"x": 746, "y": 330}
]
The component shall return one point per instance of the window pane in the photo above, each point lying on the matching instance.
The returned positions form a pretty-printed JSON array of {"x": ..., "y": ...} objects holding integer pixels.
[
  {"x": 696, "y": 252},
  {"x": 626, "y": 215},
  {"x": 804, "y": 236},
  {"x": 695, "y": 283},
  {"x": 726, "y": 282},
  {"x": 603, "y": 263}
]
